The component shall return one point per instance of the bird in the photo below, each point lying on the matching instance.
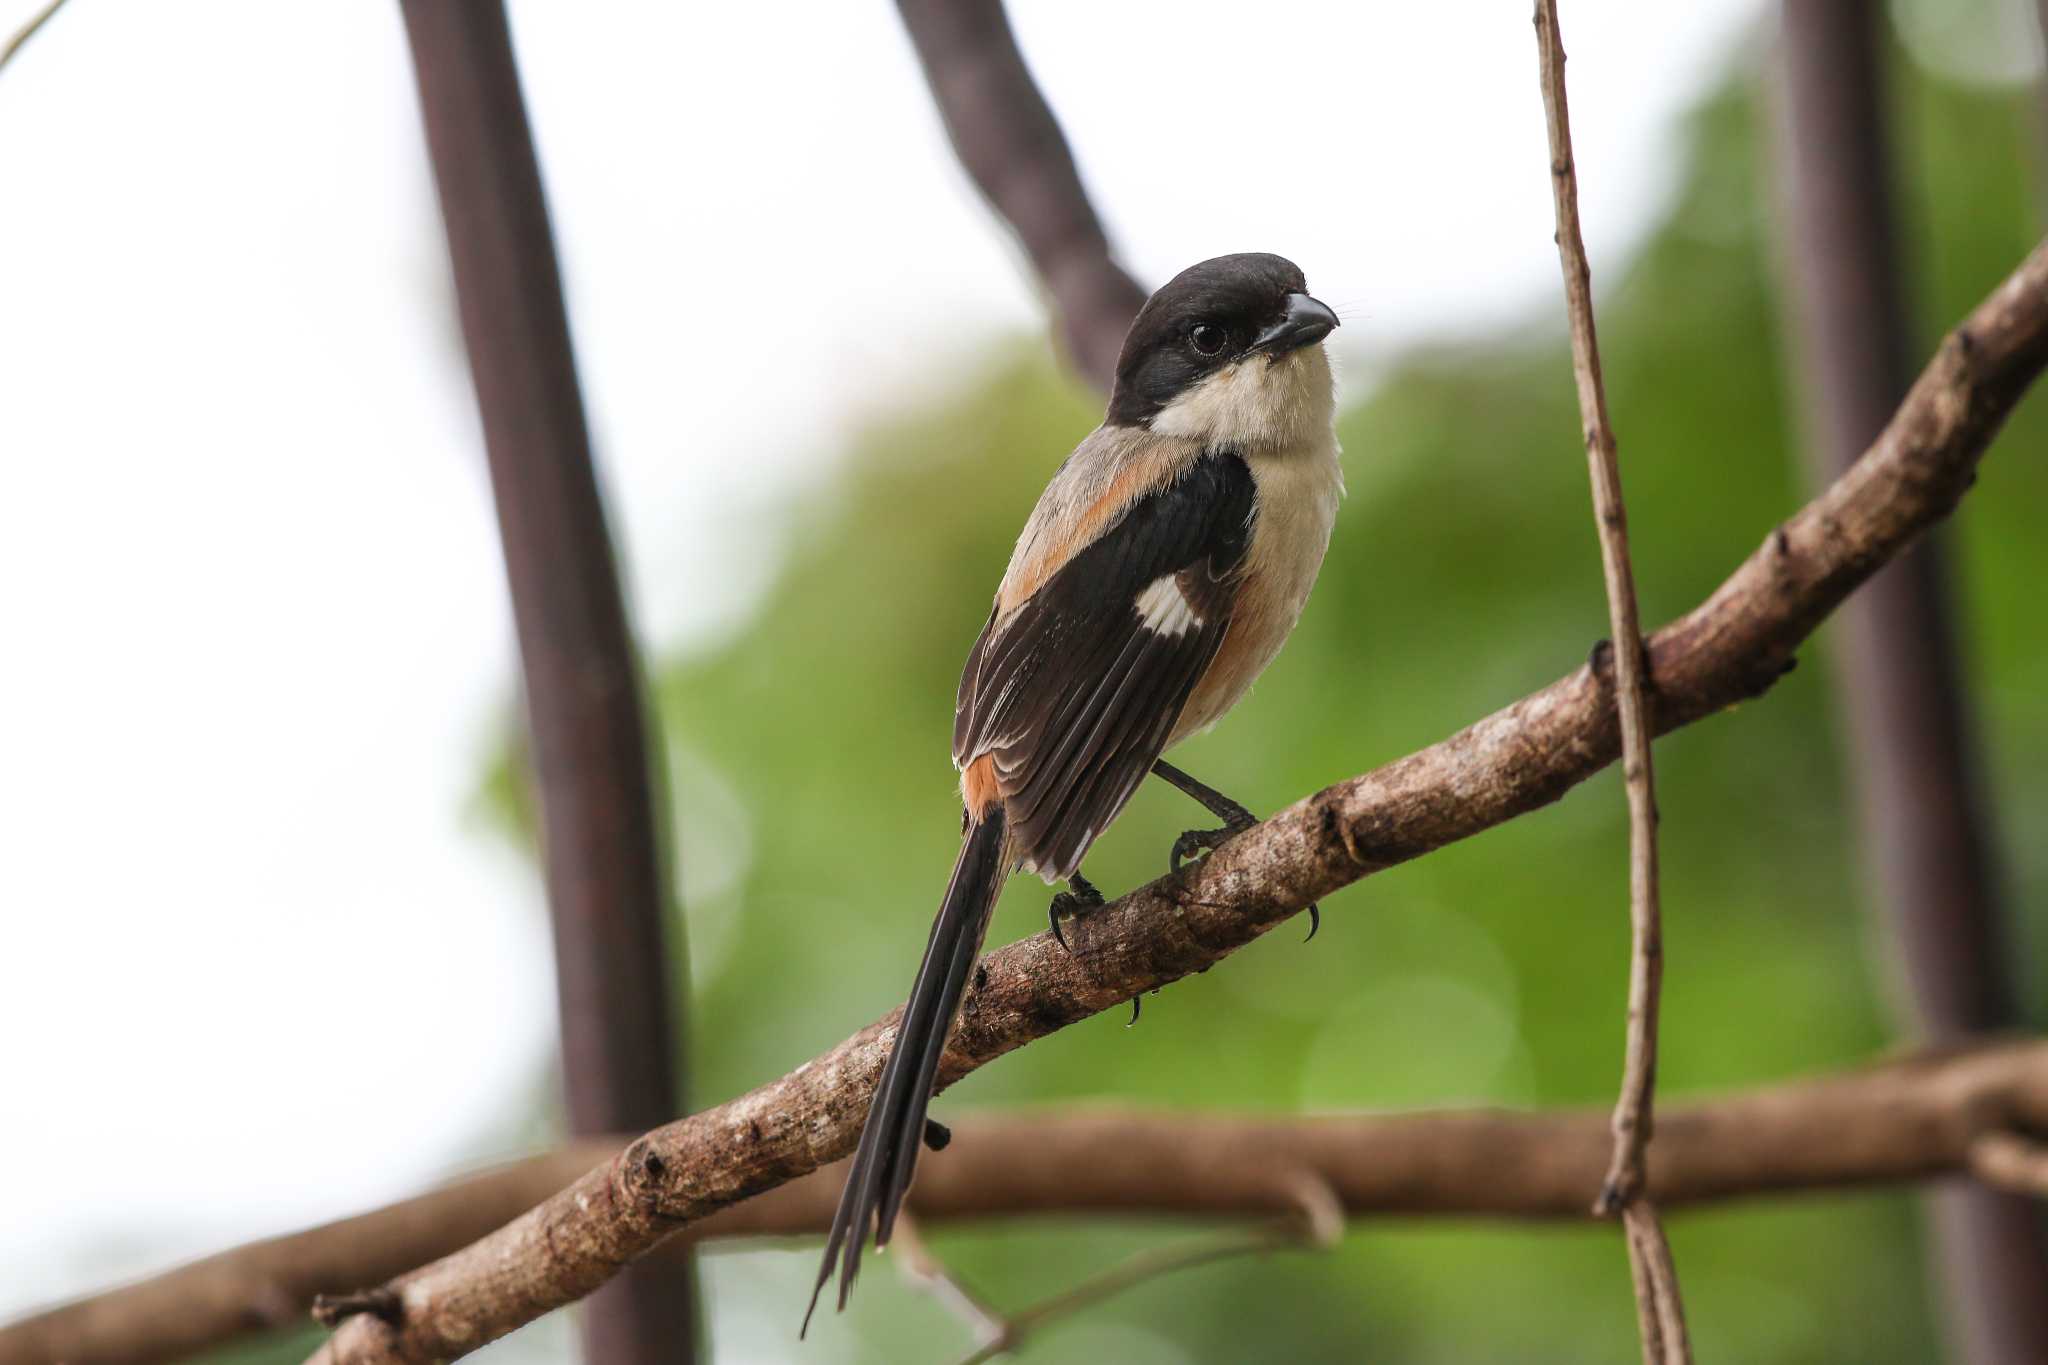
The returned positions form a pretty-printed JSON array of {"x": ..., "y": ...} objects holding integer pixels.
[{"x": 1162, "y": 569}]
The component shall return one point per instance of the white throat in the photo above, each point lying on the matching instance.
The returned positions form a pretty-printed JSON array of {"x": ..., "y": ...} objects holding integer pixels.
[{"x": 1258, "y": 403}]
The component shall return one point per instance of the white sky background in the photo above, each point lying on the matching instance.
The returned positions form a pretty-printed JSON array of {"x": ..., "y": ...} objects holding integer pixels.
[{"x": 258, "y": 968}]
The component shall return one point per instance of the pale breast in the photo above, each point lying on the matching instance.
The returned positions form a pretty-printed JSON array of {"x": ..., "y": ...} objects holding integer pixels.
[{"x": 1299, "y": 490}]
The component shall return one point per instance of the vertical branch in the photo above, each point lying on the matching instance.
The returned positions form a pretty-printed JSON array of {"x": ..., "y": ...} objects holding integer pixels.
[
  {"x": 606, "y": 881},
  {"x": 2041, "y": 124},
  {"x": 1922, "y": 811},
  {"x": 1012, "y": 147},
  {"x": 1656, "y": 1279}
]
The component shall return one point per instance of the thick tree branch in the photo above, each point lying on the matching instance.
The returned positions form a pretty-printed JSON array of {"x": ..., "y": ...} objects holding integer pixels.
[
  {"x": 1914, "y": 1118},
  {"x": 1012, "y": 148},
  {"x": 269, "y": 1285},
  {"x": 1659, "y": 1307},
  {"x": 606, "y": 880},
  {"x": 1730, "y": 648},
  {"x": 1924, "y": 817}
]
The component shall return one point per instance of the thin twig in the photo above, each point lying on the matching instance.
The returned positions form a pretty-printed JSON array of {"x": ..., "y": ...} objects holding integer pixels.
[
  {"x": 1633, "y": 1116},
  {"x": 2011, "y": 1162},
  {"x": 1651, "y": 1256},
  {"x": 1732, "y": 647},
  {"x": 28, "y": 31},
  {"x": 1145, "y": 1265},
  {"x": 1641, "y": 1270},
  {"x": 928, "y": 1272},
  {"x": 1655, "y": 1276},
  {"x": 1318, "y": 1222}
]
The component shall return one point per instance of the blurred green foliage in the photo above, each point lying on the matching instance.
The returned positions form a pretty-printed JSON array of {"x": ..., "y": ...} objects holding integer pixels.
[{"x": 817, "y": 809}]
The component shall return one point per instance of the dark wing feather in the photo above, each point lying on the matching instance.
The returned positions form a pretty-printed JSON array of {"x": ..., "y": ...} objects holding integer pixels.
[{"x": 1072, "y": 692}]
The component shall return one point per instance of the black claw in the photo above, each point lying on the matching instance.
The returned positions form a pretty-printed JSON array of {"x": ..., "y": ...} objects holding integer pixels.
[
  {"x": 1192, "y": 840},
  {"x": 1315, "y": 920},
  {"x": 1052, "y": 913},
  {"x": 1137, "y": 1001}
]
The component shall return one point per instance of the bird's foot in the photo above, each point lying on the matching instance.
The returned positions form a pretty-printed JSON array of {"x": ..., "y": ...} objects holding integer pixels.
[
  {"x": 1207, "y": 840},
  {"x": 1196, "y": 841},
  {"x": 1080, "y": 896},
  {"x": 1236, "y": 819}
]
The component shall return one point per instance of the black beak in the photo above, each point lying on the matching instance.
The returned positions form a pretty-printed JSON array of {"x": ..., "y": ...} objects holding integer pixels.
[{"x": 1307, "y": 321}]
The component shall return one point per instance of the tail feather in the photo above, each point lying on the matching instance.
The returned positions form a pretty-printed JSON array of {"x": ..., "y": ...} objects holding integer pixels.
[{"x": 886, "y": 1158}]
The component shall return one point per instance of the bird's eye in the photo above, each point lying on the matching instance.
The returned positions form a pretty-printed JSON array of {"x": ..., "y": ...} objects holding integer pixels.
[{"x": 1207, "y": 338}]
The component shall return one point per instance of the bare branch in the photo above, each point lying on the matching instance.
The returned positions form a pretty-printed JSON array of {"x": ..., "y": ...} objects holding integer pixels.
[
  {"x": 1905, "y": 1119},
  {"x": 925, "y": 1270},
  {"x": 28, "y": 31},
  {"x": 1927, "y": 834},
  {"x": 1731, "y": 647},
  {"x": 270, "y": 1285},
  {"x": 1632, "y": 1117},
  {"x": 1643, "y": 1234},
  {"x": 1655, "y": 1276},
  {"x": 1135, "y": 1270},
  {"x": 1660, "y": 1308},
  {"x": 1012, "y": 147},
  {"x": 606, "y": 879},
  {"x": 1316, "y": 1221}
]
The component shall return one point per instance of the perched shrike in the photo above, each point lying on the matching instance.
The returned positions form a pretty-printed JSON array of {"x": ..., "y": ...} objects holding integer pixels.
[{"x": 1160, "y": 573}]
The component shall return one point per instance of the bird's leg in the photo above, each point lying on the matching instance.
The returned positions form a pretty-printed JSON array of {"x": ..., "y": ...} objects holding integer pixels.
[
  {"x": 1080, "y": 895},
  {"x": 1236, "y": 820}
]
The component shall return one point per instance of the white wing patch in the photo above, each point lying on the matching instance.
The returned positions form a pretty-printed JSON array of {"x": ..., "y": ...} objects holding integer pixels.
[{"x": 1164, "y": 609}]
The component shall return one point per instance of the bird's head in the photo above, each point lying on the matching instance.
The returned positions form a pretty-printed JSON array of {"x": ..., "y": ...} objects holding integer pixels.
[{"x": 1229, "y": 352}]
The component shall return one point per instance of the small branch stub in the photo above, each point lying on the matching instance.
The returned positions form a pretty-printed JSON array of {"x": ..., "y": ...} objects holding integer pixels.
[
  {"x": 2009, "y": 1161},
  {"x": 331, "y": 1310}
]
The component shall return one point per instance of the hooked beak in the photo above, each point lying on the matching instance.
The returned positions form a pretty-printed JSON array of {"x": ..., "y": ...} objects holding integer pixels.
[{"x": 1308, "y": 320}]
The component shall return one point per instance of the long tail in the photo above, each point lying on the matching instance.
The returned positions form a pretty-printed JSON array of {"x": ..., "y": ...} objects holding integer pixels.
[{"x": 889, "y": 1141}]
